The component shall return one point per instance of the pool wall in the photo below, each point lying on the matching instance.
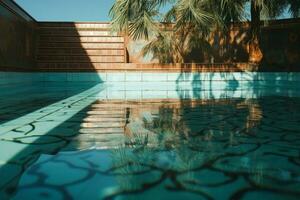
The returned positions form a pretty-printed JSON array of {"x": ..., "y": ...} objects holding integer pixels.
[
  {"x": 168, "y": 85},
  {"x": 282, "y": 78}
]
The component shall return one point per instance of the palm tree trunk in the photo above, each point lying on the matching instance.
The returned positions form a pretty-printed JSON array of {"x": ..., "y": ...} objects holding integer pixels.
[{"x": 255, "y": 54}]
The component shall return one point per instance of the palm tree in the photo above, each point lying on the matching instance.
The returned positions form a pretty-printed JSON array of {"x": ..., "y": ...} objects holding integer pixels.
[
  {"x": 194, "y": 20},
  {"x": 257, "y": 9},
  {"x": 267, "y": 9},
  {"x": 139, "y": 20},
  {"x": 191, "y": 23},
  {"x": 136, "y": 18}
]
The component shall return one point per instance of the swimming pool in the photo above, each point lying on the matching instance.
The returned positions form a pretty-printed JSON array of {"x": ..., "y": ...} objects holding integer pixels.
[{"x": 112, "y": 139}]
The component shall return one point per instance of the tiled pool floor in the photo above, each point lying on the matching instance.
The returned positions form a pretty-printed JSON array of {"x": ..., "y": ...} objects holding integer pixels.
[{"x": 68, "y": 143}]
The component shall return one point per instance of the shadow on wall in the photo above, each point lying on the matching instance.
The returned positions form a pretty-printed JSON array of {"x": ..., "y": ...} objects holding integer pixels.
[
  {"x": 59, "y": 50},
  {"x": 210, "y": 86},
  {"x": 81, "y": 46},
  {"x": 18, "y": 38},
  {"x": 279, "y": 43},
  {"x": 222, "y": 47},
  {"x": 281, "y": 47},
  {"x": 215, "y": 85}
]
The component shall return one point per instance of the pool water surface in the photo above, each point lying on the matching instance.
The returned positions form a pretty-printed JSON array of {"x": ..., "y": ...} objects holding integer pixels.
[{"x": 70, "y": 143}]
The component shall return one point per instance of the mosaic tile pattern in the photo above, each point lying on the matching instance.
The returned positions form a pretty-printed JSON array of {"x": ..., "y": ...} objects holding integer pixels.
[
  {"x": 29, "y": 126},
  {"x": 193, "y": 149}
]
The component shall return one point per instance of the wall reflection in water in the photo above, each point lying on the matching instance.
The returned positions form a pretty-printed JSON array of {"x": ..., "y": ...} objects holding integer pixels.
[{"x": 175, "y": 149}]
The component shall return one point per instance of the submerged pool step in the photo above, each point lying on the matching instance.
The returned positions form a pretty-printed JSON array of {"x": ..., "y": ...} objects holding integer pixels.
[
  {"x": 105, "y": 119},
  {"x": 99, "y": 141},
  {"x": 103, "y": 127},
  {"x": 98, "y": 137}
]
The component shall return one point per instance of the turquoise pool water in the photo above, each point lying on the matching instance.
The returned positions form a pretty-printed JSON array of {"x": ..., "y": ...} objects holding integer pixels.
[{"x": 88, "y": 141}]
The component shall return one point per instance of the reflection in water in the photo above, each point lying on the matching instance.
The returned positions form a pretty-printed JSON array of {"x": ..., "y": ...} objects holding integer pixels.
[
  {"x": 194, "y": 149},
  {"x": 255, "y": 114}
]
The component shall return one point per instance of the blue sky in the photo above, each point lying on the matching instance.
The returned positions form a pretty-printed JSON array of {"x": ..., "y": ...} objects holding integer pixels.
[
  {"x": 70, "y": 10},
  {"x": 67, "y": 10}
]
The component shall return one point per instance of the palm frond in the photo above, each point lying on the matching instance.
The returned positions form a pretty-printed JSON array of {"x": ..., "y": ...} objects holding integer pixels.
[
  {"x": 170, "y": 16},
  {"x": 135, "y": 18},
  {"x": 143, "y": 27},
  {"x": 161, "y": 47},
  {"x": 294, "y": 8},
  {"x": 232, "y": 10},
  {"x": 193, "y": 12}
]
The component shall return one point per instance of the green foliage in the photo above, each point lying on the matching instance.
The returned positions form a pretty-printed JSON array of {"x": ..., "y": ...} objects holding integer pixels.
[
  {"x": 161, "y": 47},
  {"x": 136, "y": 17},
  {"x": 191, "y": 22}
]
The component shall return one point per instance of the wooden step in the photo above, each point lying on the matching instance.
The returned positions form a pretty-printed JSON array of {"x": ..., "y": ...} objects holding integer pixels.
[
  {"x": 77, "y": 33},
  {"x": 82, "y": 52},
  {"x": 72, "y": 29},
  {"x": 81, "y": 45},
  {"x": 82, "y": 59},
  {"x": 73, "y": 24},
  {"x": 78, "y": 45},
  {"x": 105, "y": 39},
  {"x": 101, "y": 66},
  {"x": 74, "y": 66}
]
